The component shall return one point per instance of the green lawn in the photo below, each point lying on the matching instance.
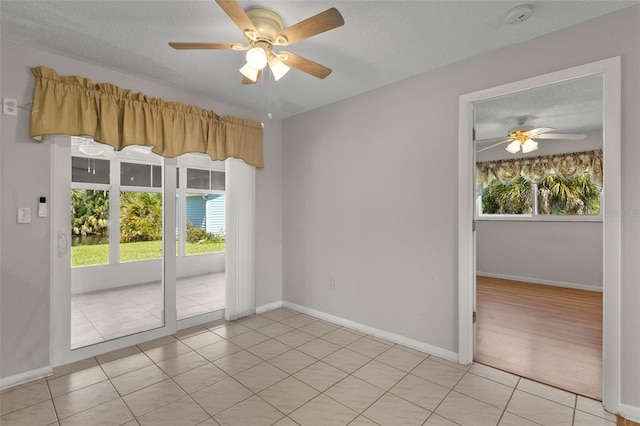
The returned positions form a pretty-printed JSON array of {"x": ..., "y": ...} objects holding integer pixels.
[{"x": 99, "y": 254}]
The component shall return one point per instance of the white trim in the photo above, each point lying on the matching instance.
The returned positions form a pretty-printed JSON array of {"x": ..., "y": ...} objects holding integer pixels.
[
  {"x": 541, "y": 281},
  {"x": 392, "y": 337},
  {"x": 169, "y": 259},
  {"x": 612, "y": 234},
  {"x": 630, "y": 412},
  {"x": 539, "y": 218},
  {"x": 466, "y": 240},
  {"x": 610, "y": 70},
  {"x": 200, "y": 319},
  {"x": 60, "y": 265},
  {"x": 268, "y": 307},
  {"x": 27, "y": 376}
]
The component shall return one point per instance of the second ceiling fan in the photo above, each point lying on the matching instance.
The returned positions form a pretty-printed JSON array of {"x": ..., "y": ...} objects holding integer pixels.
[
  {"x": 263, "y": 29},
  {"x": 525, "y": 138}
]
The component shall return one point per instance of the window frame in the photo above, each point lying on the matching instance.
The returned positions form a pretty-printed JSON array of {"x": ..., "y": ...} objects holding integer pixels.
[
  {"x": 115, "y": 189},
  {"x": 534, "y": 216},
  {"x": 182, "y": 191}
]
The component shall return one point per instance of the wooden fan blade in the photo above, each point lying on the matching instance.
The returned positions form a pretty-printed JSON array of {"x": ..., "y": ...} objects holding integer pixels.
[
  {"x": 237, "y": 14},
  {"x": 571, "y": 136},
  {"x": 317, "y": 24},
  {"x": 493, "y": 146},
  {"x": 304, "y": 64},
  {"x": 188, "y": 46},
  {"x": 246, "y": 80}
]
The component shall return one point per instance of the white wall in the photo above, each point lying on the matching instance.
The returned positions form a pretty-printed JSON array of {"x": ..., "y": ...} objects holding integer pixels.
[
  {"x": 370, "y": 191},
  {"x": 567, "y": 254},
  {"x": 560, "y": 253},
  {"x": 103, "y": 277},
  {"x": 24, "y": 249}
]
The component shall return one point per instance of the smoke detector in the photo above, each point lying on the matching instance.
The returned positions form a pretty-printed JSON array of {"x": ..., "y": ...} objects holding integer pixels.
[{"x": 518, "y": 14}]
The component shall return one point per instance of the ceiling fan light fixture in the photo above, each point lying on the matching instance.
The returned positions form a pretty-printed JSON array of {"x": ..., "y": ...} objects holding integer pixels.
[
  {"x": 250, "y": 72},
  {"x": 529, "y": 145},
  {"x": 278, "y": 67},
  {"x": 90, "y": 148},
  {"x": 257, "y": 58},
  {"x": 513, "y": 147}
]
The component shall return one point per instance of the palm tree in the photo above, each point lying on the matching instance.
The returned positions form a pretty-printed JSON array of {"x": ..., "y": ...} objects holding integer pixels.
[
  {"x": 576, "y": 196},
  {"x": 514, "y": 198},
  {"x": 89, "y": 212},
  {"x": 140, "y": 216}
]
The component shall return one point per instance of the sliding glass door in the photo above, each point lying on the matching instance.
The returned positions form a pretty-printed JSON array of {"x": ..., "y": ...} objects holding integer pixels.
[{"x": 138, "y": 248}]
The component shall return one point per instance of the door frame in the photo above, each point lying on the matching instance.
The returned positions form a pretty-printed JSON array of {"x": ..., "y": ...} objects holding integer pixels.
[
  {"x": 60, "y": 351},
  {"x": 60, "y": 345},
  {"x": 610, "y": 71}
]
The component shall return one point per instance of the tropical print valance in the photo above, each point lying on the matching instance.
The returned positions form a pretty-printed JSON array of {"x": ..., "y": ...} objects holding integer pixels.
[
  {"x": 118, "y": 117},
  {"x": 536, "y": 169}
]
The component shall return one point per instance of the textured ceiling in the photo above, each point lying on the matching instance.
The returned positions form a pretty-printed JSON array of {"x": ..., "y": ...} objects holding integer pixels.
[
  {"x": 574, "y": 106},
  {"x": 380, "y": 43}
]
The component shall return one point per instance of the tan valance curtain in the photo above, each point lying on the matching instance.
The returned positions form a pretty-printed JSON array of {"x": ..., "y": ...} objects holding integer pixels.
[
  {"x": 118, "y": 117},
  {"x": 536, "y": 169}
]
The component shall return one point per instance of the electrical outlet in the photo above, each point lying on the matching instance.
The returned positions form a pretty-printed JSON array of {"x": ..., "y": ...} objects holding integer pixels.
[
  {"x": 9, "y": 106},
  {"x": 332, "y": 283}
]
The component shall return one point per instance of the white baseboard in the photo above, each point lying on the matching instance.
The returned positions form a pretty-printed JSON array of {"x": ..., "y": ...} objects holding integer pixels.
[
  {"x": 630, "y": 412},
  {"x": 27, "y": 376},
  {"x": 541, "y": 281},
  {"x": 268, "y": 307},
  {"x": 396, "y": 338}
]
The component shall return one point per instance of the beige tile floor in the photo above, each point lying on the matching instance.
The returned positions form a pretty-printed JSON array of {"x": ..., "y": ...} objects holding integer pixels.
[
  {"x": 284, "y": 368},
  {"x": 104, "y": 315}
]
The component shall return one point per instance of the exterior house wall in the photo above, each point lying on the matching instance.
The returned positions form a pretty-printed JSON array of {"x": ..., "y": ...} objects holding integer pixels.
[{"x": 215, "y": 215}]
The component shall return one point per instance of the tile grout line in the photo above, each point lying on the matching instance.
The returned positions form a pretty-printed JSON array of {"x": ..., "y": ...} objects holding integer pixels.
[
  {"x": 55, "y": 409},
  {"x": 320, "y": 338}
]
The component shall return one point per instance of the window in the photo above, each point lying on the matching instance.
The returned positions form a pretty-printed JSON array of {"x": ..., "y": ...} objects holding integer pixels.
[
  {"x": 140, "y": 211},
  {"x": 562, "y": 186},
  {"x": 552, "y": 196},
  {"x": 204, "y": 211},
  {"x": 137, "y": 187},
  {"x": 89, "y": 211}
]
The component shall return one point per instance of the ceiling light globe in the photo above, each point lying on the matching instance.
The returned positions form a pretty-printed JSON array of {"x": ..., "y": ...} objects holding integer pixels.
[
  {"x": 250, "y": 72},
  {"x": 513, "y": 147},
  {"x": 257, "y": 58},
  {"x": 90, "y": 148},
  {"x": 529, "y": 145},
  {"x": 278, "y": 68}
]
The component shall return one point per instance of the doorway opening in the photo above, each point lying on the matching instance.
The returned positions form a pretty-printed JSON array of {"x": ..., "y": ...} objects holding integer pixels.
[
  {"x": 538, "y": 173},
  {"x": 609, "y": 71}
]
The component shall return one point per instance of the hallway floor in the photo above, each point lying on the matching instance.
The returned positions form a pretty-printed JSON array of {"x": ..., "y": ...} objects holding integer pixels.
[
  {"x": 285, "y": 368},
  {"x": 104, "y": 315}
]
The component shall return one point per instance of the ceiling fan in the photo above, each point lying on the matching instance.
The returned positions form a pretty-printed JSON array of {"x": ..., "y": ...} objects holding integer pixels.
[
  {"x": 264, "y": 29},
  {"x": 524, "y": 138}
]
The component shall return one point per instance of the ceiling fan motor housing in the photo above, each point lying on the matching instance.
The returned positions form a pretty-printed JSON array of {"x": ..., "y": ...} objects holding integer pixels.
[{"x": 268, "y": 23}]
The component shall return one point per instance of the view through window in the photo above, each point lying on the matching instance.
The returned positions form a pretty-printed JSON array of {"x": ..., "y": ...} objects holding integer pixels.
[{"x": 552, "y": 196}]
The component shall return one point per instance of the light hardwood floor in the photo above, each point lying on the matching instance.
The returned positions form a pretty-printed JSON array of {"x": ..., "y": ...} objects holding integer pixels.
[{"x": 548, "y": 334}]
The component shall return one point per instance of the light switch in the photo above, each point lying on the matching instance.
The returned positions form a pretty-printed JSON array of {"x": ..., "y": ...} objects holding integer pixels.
[{"x": 24, "y": 215}]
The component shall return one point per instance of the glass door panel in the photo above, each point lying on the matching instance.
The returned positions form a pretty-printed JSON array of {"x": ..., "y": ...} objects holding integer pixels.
[
  {"x": 116, "y": 253},
  {"x": 200, "y": 286}
]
